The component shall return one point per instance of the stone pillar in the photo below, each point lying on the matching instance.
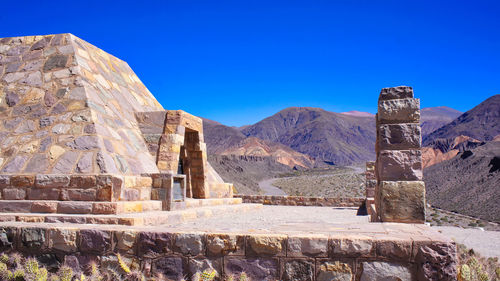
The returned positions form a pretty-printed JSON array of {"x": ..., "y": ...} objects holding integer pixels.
[{"x": 400, "y": 191}]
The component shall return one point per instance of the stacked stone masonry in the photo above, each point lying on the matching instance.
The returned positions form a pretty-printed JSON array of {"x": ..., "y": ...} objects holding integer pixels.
[
  {"x": 262, "y": 256},
  {"x": 302, "y": 201},
  {"x": 400, "y": 191},
  {"x": 77, "y": 124}
]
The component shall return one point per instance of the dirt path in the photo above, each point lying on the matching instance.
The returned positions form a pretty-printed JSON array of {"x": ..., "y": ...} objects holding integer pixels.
[
  {"x": 487, "y": 243},
  {"x": 268, "y": 188}
]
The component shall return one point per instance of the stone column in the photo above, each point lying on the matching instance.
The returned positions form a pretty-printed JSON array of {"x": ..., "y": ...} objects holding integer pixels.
[{"x": 400, "y": 191}]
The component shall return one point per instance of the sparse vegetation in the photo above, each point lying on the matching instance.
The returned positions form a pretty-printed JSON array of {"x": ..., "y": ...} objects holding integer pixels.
[
  {"x": 473, "y": 267},
  {"x": 438, "y": 217},
  {"x": 330, "y": 182},
  {"x": 15, "y": 267}
]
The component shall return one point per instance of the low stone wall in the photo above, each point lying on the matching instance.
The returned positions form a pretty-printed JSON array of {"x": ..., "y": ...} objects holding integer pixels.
[
  {"x": 262, "y": 256},
  {"x": 301, "y": 201}
]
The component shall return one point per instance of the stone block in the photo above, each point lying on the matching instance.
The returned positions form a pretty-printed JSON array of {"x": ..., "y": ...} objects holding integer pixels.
[
  {"x": 48, "y": 181},
  {"x": 63, "y": 239},
  {"x": 299, "y": 269},
  {"x": 104, "y": 208},
  {"x": 73, "y": 207},
  {"x": 352, "y": 247},
  {"x": 189, "y": 244},
  {"x": 33, "y": 238},
  {"x": 225, "y": 244},
  {"x": 266, "y": 245},
  {"x": 399, "y": 111},
  {"x": 5, "y": 181},
  {"x": 170, "y": 267},
  {"x": 44, "y": 207},
  {"x": 394, "y": 165},
  {"x": 198, "y": 265},
  {"x": 309, "y": 246},
  {"x": 399, "y": 136},
  {"x": 375, "y": 270},
  {"x": 95, "y": 241},
  {"x": 262, "y": 269},
  {"x": 83, "y": 182},
  {"x": 79, "y": 194},
  {"x": 23, "y": 181},
  {"x": 153, "y": 244},
  {"x": 15, "y": 207},
  {"x": 14, "y": 193},
  {"x": 43, "y": 194},
  {"x": 402, "y": 201},
  {"x": 334, "y": 270},
  {"x": 394, "y": 249},
  {"x": 399, "y": 92},
  {"x": 436, "y": 261},
  {"x": 8, "y": 236},
  {"x": 126, "y": 241}
]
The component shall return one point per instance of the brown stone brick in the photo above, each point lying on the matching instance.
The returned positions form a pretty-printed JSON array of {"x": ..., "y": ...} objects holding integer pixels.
[
  {"x": 22, "y": 181},
  {"x": 74, "y": 207},
  {"x": 399, "y": 136},
  {"x": 15, "y": 207},
  {"x": 394, "y": 165},
  {"x": 48, "y": 181},
  {"x": 44, "y": 207},
  {"x": 104, "y": 208},
  {"x": 14, "y": 193},
  {"x": 400, "y": 92},
  {"x": 83, "y": 181},
  {"x": 402, "y": 201},
  {"x": 79, "y": 194},
  {"x": 104, "y": 194},
  {"x": 43, "y": 194},
  {"x": 399, "y": 111}
]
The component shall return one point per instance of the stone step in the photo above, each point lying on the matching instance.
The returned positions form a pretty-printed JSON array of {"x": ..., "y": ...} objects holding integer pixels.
[
  {"x": 150, "y": 218},
  {"x": 78, "y": 207}
]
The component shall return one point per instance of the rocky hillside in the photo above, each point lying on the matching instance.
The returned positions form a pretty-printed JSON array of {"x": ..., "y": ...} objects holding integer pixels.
[
  {"x": 481, "y": 123},
  {"x": 333, "y": 138},
  {"x": 253, "y": 146},
  {"x": 224, "y": 140},
  {"x": 444, "y": 149},
  {"x": 245, "y": 172},
  {"x": 469, "y": 183},
  {"x": 433, "y": 118}
]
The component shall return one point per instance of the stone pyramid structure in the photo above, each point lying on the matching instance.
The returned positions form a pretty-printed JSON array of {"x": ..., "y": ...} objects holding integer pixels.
[{"x": 77, "y": 124}]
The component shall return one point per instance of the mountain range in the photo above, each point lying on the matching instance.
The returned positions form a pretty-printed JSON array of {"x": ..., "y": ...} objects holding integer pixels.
[{"x": 308, "y": 137}]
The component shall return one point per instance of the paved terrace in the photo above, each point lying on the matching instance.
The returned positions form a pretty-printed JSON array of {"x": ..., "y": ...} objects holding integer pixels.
[{"x": 269, "y": 243}]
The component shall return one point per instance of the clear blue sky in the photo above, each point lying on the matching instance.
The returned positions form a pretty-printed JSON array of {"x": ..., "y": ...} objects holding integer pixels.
[{"x": 239, "y": 61}]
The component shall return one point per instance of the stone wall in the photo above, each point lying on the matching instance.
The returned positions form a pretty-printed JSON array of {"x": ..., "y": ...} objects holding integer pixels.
[
  {"x": 400, "y": 191},
  {"x": 262, "y": 256},
  {"x": 302, "y": 201}
]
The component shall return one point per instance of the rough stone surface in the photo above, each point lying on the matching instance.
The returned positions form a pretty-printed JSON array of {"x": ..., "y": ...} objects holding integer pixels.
[
  {"x": 437, "y": 262},
  {"x": 63, "y": 239},
  {"x": 402, "y": 201},
  {"x": 405, "y": 165},
  {"x": 153, "y": 244},
  {"x": 298, "y": 270},
  {"x": 95, "y": 241},
  {"x": 189, "y": 244},
  {"x": 266, "y": 244},
  {"x": 384, "y": 271},
  {"x": 170, "y": 267},
  {"x": 352, "y": 247},
  {"x": 338, "y": 271},
  {"x": 399, "y": 136},
  {"x": 256, "y": 269},
  {"x": 307, "y": 246},
  {"x": 224, "y": 244}
]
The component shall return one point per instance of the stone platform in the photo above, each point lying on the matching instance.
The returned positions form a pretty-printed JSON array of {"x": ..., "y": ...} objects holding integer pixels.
[
  {"x": 117, "y": 213},
  {"x": 269, "y": 243}
]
